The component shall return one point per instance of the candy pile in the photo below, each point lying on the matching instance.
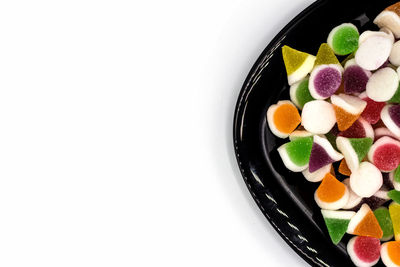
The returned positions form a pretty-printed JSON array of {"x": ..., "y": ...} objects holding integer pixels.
[{"x": 350, "y": 114}]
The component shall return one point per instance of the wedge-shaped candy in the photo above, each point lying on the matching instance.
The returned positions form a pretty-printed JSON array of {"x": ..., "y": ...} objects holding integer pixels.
[
  {"x": 326, "y": 56},
  {"x": 322, "y": 154},
  {"x": 347, "y": 109},
  {"x": 343, "y": 39},
  {"x": 366, "y": 180},
  {"x": 383, "y": 217},
  {"x": 383, "y": 131},
  {"x": 389, "y": 18},
  {"x": 364, "y": 223},
  {"x": 391, "y": 118},
  {"x": 337, "y": 222},
  {"x": 299, "y": 93},
  {"x": 354, "y": 199},
  {"x": 394, "y": 210},
  {"x": 364, "y": 251},
  {"x": 355, "y": 78},
  {"x": 360, "y": 129},
  {"x": 298, "y": 64},
  {"x": 382, "y": 85},
  {"x": 296, "y": 154},
  {"x": 283, "y": 118},
  {"x": 331, "y": 194},
  {"x": 372, "y": 112},
  {"x": 385, "y": 154},
  {"x": 390, "y": 253},
  {"x": 373, "y": 50},
  {"x": 343, "y": 168},
  {"x": 394, "y": 195},
  {"x": 354, "y": 150},
  {"x": 325, "y": 80},
  {"x": 317, "y": 175},
  {"x": 318, "y": 117},
  {"x": 298, "y": 134}
]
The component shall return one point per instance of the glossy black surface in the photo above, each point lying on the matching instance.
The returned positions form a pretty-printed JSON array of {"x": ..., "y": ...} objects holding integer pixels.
[{"x": 286, "y": 198}]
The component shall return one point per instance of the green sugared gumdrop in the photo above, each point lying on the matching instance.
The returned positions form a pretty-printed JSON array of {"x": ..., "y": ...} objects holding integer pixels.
[
  {"x": 394, "y": 195},
  {"x": 383, "y": 217},
  {"x": 336, "y": 228},
  {"x": 361, "y": 146},
  {"x": 345, "y": 40},
  {"x": 299, "y": 150},
  {"x": 303, "y": 93}
]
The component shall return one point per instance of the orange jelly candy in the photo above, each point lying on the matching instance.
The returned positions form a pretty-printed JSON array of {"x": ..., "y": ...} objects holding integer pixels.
[
  {"x": 369, "y": 226},
  {"x": 286, "y": 118},
  {"x": 393, "y": 249},
  {"x": 330, "y": 189},
  {"x": 343, "y": 168},
  {"x": 344, "y": 118}
]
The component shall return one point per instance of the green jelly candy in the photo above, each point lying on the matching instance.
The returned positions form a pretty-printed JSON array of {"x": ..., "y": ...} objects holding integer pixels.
[
  {"x": 385, "y": 222},
  {"x": 293, "y": 58},
  {"x": 337, "y": 223},
  {"x": 326, "y": 55},
  {"x": 396, "y": 97},
  {"x": 299, "y": 93},
  {"x": 394, "y": 195},
  {"x": 343, "y": 39},
  {"x": 361, "y": 146},
  {"x": 299, "y": 150}
]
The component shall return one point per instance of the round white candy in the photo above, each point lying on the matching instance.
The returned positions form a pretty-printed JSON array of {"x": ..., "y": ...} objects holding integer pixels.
[
  {"x": 373, "y": 52},
  {"x": 382, "y": 85},
  {"x": 318, "y": 117},
  {"x": 366, "y": 180}
]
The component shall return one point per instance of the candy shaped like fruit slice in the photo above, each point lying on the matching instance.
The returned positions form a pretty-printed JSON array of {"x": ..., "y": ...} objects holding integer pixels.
[
  {"x": 382, "y": 85},
  {"x": 364, "y": 223},
  {"x": 355, "y": 78},
  {"x": 331, "y": 194},
  {"x": 390, "y": 115},
  {"x": 372, "y": 112},
  {"x": 385, "y": 154},
  {"x": 366, "y": 180},
  {"x": 298, "y": 64},
  {"x": 373, "y": 51},
  {"x": 360, "y": 129},
  {"x": 389, "y": 18},
  {"x": 390, "y": 253},
  {"x": 317, "y": 175},
  {"x": 354, "y": 199},
  {"x": 364, "y": 251},
  {"x": 347, "y": 109},
  {"x": 325, "y": 80},
  {"x": 343, "y": 168},
  {"x": 283, "y": 118},
  {"x": 296, "y": 154},
  {"x": 383, "y": 217},
  {"x": 394, "y": 210},
  {"x": 318, "y": 117},
  {"x": 343, "y": 39},
  {"x": 336, "y": 222},
  {"x": 354, "y": 150},
  {"x": 299, "y": 93},
  {"x": 322, "y": 154}
]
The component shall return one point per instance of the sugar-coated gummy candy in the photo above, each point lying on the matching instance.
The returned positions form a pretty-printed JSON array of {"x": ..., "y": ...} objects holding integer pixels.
[
  {"x": 394, "y": 195},
  {"x": 317, "y": 175},
  {"x": 322, "y": 153},
  {"x": 354, "y": 201},
  {"x": 382, "y": 85},
  {"x": 355, "y": 78},
  {"x": 343, "y": 39},
  {"x": 325, "y": 80},
  {"x": 390, "y": 115},
  {"x": 364, "y": 251},
  {"x": 372, "y": 112},
  {"x": 364, "y": 223},
  {"x": 326, "y": 56},
  {"x": 318, "y": 117},
  {"x": 331, "y": 193},
  {"x": 354, "y": 150},
  {"x": 373, "y": 51},
  {"x": 389, "y": 18},
  {"x": 385, "y": 154},
  {"x": 296, "y": 154},
  {"x": 343, "y": 168},
  {"x": 283, "y": 118},
  {"x": 298, "y": 64},
  {"x": 336, "y": 223},
  {"x": 383, "y": 217},
  {"x": 299, "y": 93},
  {"x": 366, "y": 180},
  {"x": 394, "y": 210},
  {"x": 390, "y": 253},
  {"x": 347, "y": 109}
]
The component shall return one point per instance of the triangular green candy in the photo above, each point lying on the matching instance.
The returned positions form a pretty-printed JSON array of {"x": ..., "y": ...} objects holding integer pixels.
[
  {"x": 299, "y": 150},
  {"x": 337, "y": 222},
  {"x": 293, "y": 58},
  {"x": 361, "y": 146},
  {"x": 394, "y": 195},
  {"x": 385, "y": 222},
  {"x": 325, "y": 55}
]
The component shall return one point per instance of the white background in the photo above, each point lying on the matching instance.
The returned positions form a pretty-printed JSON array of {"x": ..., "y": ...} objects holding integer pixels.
[{"x": 116, "y": 133}]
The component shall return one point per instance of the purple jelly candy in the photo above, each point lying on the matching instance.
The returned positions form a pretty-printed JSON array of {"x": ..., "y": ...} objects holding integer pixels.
[
  {"x": 394, "y": 113},
  {"x": 327, "y": 81},
  {"x": 318, "y": 158},
  {"x": 354, "y": 79}
]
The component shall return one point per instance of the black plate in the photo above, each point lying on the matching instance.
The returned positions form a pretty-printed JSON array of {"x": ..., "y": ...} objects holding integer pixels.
[{"x": 286, "y": 198}]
